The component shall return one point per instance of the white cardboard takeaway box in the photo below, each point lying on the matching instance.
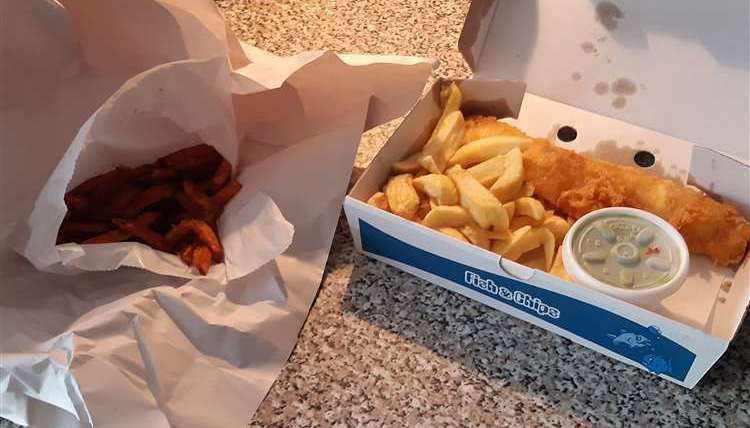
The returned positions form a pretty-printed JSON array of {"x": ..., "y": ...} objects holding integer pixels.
[{"x": 683, "y": 337}]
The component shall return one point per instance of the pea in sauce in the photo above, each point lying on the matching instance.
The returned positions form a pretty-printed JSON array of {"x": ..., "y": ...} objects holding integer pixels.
[{"x": 626, "y": 251}]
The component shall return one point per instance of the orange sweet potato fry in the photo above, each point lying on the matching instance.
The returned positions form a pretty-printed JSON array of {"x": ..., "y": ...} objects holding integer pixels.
[
  {"x": 148, "y": 197},
  {"x": 106, "y": 180},
  {"x": 192, "y": 209},
  {"x": 221, "y": 175},
  {"x": 226, "y": 193},
  {"x": 145, "y": 234},
  {"x": 186, "y": 254},
  {"x": 76, "y": 203},
  {"x": 157, "y": 175},
  {"x": 191, "y": 160},
  {"x": 202, "y": 259},
  {"x": 198, "y": 198},
  {"x": 119, "y": 204},
  {"x": 118, "y": 235},
  {"x": 201, "y": 231},
  {"x": 84, "y": 227}
]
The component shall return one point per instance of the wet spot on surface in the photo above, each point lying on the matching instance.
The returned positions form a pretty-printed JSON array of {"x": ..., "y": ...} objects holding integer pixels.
[
  {"x": 601, "y": 88},
  {"x": 588, "y": 47},
  {"x": 623, "y": 86},
  {"x": 608, "y": 14},
  {"x": 576, "y": 76},
  {"x": 619, "y": 103}
]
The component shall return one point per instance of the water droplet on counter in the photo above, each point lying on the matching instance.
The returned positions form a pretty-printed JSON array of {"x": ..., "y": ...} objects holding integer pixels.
[
  {"x": 608, "y": 13},
  {"x": 619, "y": 103},
  {"x": 601, "y": 88},
  {"x": 588, "y": 47},
  {"x": 623, "y": 86},
  {"x": 576, "y": 76}
]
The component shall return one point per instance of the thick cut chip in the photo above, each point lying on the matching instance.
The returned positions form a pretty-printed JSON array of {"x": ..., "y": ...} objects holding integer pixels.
[
  {"x": 438, "y": 187},
  {"x": 408, "y": 165},
  {"x": 447, "y": 216},
  {"x": 453, "y": 233},
  {"x": 379, "y": 200},
  {"x": 520, "y": 221},
  {"x": 510, "y": 208},
  {"x": 521, "y": 241},
  {"x": 443, "y": 143},
  {"x": 450, "y": 98},
  {"x": 488, "y": 148},
  {"x": 558, "y": 226},
  {"x": 502, "y": 235},
  {"x": 424, "y": 209},
  {"x": 483, "y": 206},
  {"x": 534, "y": 259},
  {"x": 402, "y": 197},
  {"x": 530, "y": 207},
  {"x": 509, "y": 183},
  {"x": 476, "y": 235},
  {"x": 558, "y": 269},
  {"x": 547, "y": 241},
  {"x": 488, "y": 171}
]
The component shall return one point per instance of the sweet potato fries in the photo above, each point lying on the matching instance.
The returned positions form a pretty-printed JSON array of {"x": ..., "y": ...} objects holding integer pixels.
[{"x": 171, "y": 205}]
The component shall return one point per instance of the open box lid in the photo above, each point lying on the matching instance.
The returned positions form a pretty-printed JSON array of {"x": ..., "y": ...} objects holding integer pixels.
[{"x": 679, "y": 67}]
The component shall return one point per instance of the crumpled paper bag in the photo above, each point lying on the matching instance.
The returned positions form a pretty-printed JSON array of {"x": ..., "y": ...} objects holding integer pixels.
[{"x": 131, "y": 347}]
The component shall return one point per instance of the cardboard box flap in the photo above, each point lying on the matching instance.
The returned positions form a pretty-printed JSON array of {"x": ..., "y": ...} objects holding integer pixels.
[{"x": 676, "y": 66}]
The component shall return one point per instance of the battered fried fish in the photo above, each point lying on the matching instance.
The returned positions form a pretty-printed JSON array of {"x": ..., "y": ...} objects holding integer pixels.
[{"x": 576, "y": 185}]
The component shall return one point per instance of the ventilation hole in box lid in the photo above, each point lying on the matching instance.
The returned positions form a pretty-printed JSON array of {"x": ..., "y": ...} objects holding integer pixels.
[
  {"x": 644, "y": 159},
  {"x": 566, "y": 134}
]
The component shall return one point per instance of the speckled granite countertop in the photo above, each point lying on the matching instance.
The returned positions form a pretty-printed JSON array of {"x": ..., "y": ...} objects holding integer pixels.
[{"x": 382, "y": 347}]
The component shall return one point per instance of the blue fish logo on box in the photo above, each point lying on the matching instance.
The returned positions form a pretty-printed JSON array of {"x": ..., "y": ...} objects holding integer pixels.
[{"x": 643, "y": 348}]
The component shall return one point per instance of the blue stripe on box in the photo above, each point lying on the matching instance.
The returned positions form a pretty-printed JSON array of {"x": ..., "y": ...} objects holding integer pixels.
[{"x": 643, "y": 345}]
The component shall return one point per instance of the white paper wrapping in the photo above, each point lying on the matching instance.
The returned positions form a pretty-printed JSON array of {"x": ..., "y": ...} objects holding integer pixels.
[{"x": 92, "y": 83}]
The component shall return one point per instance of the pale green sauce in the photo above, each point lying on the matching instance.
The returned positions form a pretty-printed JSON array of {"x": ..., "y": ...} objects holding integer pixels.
[{"x": 626, "y": 252}]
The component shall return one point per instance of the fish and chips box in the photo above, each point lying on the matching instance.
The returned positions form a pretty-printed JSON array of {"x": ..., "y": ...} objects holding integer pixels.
[{"x": 616, "y": 74}]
